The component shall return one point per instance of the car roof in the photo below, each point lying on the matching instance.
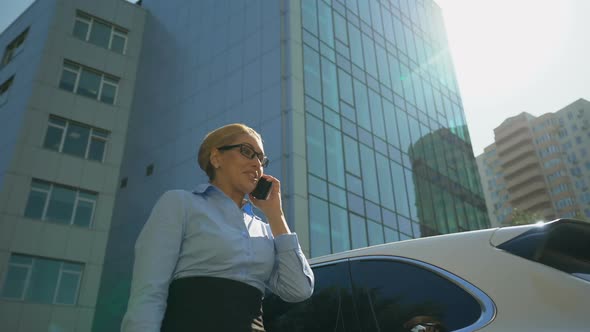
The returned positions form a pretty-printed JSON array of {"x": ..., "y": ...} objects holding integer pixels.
[{"x": 432, "y": 243}]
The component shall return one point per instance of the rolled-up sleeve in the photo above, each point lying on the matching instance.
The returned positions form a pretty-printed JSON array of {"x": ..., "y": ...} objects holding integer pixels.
[
  {"x": 156, "y": 253},
  {"x": 292, "y": 278}
]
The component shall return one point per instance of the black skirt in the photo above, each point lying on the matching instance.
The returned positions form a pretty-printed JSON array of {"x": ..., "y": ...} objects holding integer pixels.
[{"x": 206, "y": 304}]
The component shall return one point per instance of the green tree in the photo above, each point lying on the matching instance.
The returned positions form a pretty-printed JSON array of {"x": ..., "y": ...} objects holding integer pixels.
[{"x": 522, "y": 217}]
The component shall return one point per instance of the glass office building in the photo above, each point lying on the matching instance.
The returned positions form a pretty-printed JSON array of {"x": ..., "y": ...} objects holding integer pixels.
[
  {"x": 356, "y": 101},
  {"x": 388, "y": 152}
]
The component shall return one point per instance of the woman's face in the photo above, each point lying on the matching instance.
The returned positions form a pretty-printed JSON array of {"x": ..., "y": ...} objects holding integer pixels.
[{"x": 235, "y": 172}]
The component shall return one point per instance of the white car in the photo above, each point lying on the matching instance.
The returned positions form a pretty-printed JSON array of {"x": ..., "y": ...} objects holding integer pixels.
[{"x": 522, "y": 278}]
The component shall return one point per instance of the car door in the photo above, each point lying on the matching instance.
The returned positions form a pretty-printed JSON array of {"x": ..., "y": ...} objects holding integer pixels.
[
  {"x": 395, "y": 294},
  {"x": 330, "y": 308}
]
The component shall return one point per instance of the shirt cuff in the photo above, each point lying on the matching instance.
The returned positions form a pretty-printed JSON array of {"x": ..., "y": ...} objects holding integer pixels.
[{"x": 286, "y": 242}]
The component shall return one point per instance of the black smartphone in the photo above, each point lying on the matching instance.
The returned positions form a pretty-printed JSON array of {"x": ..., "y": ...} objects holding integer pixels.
[{"x": 262, "y": 189}]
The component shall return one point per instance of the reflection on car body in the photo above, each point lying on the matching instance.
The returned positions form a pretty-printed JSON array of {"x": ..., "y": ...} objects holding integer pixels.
[{"x": 522, "y": 278}]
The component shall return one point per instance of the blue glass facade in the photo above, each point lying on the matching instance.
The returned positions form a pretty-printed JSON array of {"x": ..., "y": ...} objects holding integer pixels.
[
  {"x": 343, "y": 93},
  {"x": 388, "y": 152}
]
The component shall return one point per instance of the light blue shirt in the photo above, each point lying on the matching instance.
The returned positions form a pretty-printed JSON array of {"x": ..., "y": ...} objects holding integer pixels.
[{"x": 204, "y": 233}]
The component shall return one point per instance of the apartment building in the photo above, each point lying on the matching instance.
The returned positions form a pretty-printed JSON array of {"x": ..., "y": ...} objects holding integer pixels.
[{"x": 539, "y": 165}]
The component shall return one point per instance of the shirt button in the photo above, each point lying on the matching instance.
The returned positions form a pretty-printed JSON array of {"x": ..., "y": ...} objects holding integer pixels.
[{"x": 245, "y": 234}]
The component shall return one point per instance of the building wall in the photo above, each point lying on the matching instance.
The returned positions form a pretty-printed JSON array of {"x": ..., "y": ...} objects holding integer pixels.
[{"x": 38, "y": 70}]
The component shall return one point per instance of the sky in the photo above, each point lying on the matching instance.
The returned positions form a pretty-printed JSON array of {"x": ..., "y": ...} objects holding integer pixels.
[{"x": 510, "y": 56}]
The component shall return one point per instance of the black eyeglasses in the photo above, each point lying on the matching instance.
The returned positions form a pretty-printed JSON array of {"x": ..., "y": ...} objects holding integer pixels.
[{"x": 248, "y": 152}]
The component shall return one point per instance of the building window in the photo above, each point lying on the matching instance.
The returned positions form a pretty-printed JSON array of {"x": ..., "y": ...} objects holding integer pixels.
[
  {"x": 60, "y": 204},
  {"x": 89, "y": 82},
  {"x": 76, "y": 139},
  {"x": 149, "y": 170},
  {"x": 42, "y": 280},
  {"x": 4, "y": 90},
  {"x": 14, "y": 48},
  {"x": 565, "y": 202},
  {"x": 100, "y": 33}
]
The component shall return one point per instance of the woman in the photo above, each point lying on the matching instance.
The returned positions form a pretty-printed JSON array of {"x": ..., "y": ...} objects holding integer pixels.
[{"x": 203, "y": 259}]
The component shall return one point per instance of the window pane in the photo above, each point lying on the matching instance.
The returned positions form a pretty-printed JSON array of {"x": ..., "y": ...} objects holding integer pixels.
[
  {"x": 316, "y": 157},
  {"x": 35, "y": 204},
  {"x": 84, "y": 214},
  {"x": 61, "y": 205},
  {"x": 334, "y": 156},
  {"x": 68, "y": 288},
  {"x": 311, "y": 69},
  {"x": 385, "y": 305},
  {"x": 53, "y": 138},
  {"x": 100, "y": 133},
  {"x": 319, "y": 220},
  {"x": 21, "y": 259},
  {"x": 375, "y": 233},
  {"x": 68, "y": 80},
  {"x": 43, "y": 281},
  {"x": 89, "y": 84},
  {"x": 118, "y": 44},
  {"x": 108, "y": 93},
  {"x": 339, "y": 223},
  {"x": 14, "y": 283},
  {"x": 100, "y": 34},
  {"x": 96, "y": 151},
  {"x": 76, "y": 140},
  {"x": 71, "y": 267},
  {"x": 80, "y": 29},
  {"x": 330, "y": 308},
  {"x": 358, "y": 231}
]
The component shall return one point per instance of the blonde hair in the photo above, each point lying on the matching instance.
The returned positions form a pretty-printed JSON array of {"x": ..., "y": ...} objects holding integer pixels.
[{"x": 219, "y": 137}]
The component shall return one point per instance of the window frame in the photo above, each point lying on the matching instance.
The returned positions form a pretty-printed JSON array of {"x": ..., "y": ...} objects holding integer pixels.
[
  {"x": 115, "y": 30},
  {"x": 105, "y": 78},
  {"x": 30, "y": 268},
  {"x": 92, "y": 136},
  {"x": 488, "y": 308},
  {"x": 14, "y": 48},
  {"x": 76, "y": 201},
  {"x": 4, "y": 88}
]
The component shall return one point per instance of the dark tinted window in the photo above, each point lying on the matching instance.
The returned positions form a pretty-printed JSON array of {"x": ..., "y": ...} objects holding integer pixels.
[
  {"x": 563, "y": 245},
  {"x": 329, "y": 308},
  {"x": 389, "y": 294}
]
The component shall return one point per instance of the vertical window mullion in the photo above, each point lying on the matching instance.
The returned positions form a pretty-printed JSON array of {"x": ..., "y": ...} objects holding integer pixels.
[
  {"x": 56, "y": 290},
  {"x": 78, "y": 75},
  {"x": 76, "y": 202},
  {"x": 87, "y": 150},
  {"x": 79, "y": 283},
  {"x": 90, "y": 25},
  {"x": 112, "y": 34},
  {"x": 102, "y": 82},
  {"x": 46, "y": 206},
  {"x": 29, "y": 277},
  {"x": 63, "y": 136}
]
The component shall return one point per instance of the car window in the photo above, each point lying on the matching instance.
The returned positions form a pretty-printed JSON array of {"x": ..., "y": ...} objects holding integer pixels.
[
  {"x": 563, "y": 245},
  {"x": 329, "y": 308},
  {"x": 390, "y": 294}
]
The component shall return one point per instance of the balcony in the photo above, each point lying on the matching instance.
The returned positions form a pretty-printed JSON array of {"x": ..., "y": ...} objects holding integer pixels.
[
  {"x": 519, "y": 193},
  {"x": 523, "y": 176},
  {"x": 526, "y": 161},
  {"x": 524, "y": 147},
  {"x": 511, "y": 127}
]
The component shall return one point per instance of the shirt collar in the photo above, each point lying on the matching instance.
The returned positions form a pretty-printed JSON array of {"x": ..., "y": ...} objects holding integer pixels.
[{"x": 205, "y": 188}]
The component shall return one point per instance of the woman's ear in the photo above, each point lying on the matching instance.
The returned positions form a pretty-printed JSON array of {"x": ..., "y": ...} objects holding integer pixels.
[{"x": 214, "y": 158}]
